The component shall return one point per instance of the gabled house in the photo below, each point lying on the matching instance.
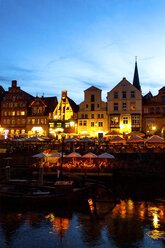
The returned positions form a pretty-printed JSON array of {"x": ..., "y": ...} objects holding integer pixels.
[{"x": 64, "y": 119}]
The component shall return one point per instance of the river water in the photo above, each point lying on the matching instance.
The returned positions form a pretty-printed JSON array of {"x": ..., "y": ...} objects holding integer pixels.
[{"x": 127, "y": 224}]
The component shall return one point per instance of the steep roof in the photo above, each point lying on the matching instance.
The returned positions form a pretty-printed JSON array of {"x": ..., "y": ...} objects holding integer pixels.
[
  {"x": 73, "y": 105},
  {"x": 92, "y": 88},
  {"x": 51, "y": 103},
  {"x": 136, "y": 81}
]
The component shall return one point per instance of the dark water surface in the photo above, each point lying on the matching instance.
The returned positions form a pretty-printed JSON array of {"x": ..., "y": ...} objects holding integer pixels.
[{"x": 128, "y": 224}]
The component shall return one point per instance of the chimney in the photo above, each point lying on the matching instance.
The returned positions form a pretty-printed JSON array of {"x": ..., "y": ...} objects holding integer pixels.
[{"x": 14, "y": 83}]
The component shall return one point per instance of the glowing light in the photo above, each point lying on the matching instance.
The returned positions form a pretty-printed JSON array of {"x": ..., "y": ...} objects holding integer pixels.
[
  {"x": 37, "y": 129},
  {"x": 153, "y": 128},
  {"x": 84, "y": 132},
  {"x": 59, "y": 130},
  {"x": 91, "y": 205},
  {"x": 72, "y": 123},
  {"x": 55, "y": 117},
  {"x": 6, "y": 131}
]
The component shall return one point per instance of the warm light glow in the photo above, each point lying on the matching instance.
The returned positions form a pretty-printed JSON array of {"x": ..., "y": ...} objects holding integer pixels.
[
  {"x": 37, "y": 129},
  {"x": 55, "y": 117},
  {"x": 59, "y": 130},
  {"x": 153, "y": 128},
  {"x": 72, "y": 123},
  {"x": 1, "y": 130},
  {"x": 84, "y": 132},
  {"x": 91, "y": 205}
]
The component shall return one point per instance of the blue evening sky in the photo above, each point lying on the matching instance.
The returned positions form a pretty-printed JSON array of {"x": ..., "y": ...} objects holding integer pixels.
[{"x": 54, "y": 45}]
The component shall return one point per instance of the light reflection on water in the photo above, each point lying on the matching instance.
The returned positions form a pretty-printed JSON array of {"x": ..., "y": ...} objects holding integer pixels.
[{"x": 128, "y": 224}]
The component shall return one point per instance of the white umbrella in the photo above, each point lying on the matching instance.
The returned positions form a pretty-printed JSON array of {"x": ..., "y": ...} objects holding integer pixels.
[
  {"x": 86, "y": 139},
  {"x": 155, "y": 139},
  {"x": 70, "y": 140},
  {"x": 135, "y": 139},
  {"x": 40, "y": 155},
  {"x": 56, "y": 155},
  {"x": 74, "y": 155},
  {"x": 106, "y": 155},
  {"x": 90, "y": 155}
]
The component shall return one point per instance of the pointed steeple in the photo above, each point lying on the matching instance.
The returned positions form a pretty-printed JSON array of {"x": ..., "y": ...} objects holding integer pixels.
[{"x": 136, "y": 82}]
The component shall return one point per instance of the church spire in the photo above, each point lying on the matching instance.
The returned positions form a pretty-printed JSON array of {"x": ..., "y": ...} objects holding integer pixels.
[{"x": 136, "y": 82}]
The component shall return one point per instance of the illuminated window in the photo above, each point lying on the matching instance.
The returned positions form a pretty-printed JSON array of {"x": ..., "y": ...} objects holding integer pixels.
[
  {"x": 5, "y": 113},
  {"x": 92, "y": 124},
  {"x": 42, "y": 121},
  {"x": 12, "y": 122},
  {"x": 125, "y": 120},
  {"x": 132, "y": 94},
  {"x": 22, "y": 112},
  {"x": 135, "y": 120},
  {"x": 13, "y": 113},
  {"x": 59, "y": 124},
  {"x": 124, "y": 106},
  {"x": 115, "y": 95},
  {"x": 23, "y": 121},
  {"x": 67, "y": 124},
  {"x": 124, "y": 95},
  {"x": 115, "y": 106},
  {"x": 33, "y": 121},
  {"x": 114, "y": 120},
  {"x": 18, "y": 121},
  {"x": 132, "y": 106},
  {"x": 100, "y": 124},
  {"x": 4, "y": 121},
  {"x": 51, "y": 124}
]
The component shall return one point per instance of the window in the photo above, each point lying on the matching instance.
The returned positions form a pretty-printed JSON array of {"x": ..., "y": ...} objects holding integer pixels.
[
  {"x": 114, "y": 120},
  {"x": 86, "y": 116},
  {"x": 135, "y": 120},
  {"x": 163, "y": 100},
  {"x": 22, "y": 112},
  {"x": 33, "y": 121},
  {"x": 132, "y": 94},
  {"x": 163, "y": 110},
  {"x": 92, "y": 107},
  {"x": 92, "y": 116},
  {"x": 124, "y": 95},
  {"x": 85, "y": 123},
  {"x": 100, "y": 124},
  {"x": 59, "y": 124},
  {"x": 51, "y": 124},
  {"x": 80, "y": 123},
  {"x": 115, "y": 106},
  {"x": 13, "y": 113},
  {"x": 124, "y": 106},
  {"x": 18, "y": 121},
  {"x": 132, "y": 106},
  {"x": 92, "y": 98},
  {"x": 5, "y": 113},
  {"x": 12, "y": 121},
  {"x": 102, "y": 115},
  {"x": 67, "y": 124},
  {"x": 4, "y": 121},
  {"x": 98, "y": 116},
  {"x": 158, "y": 110},
  {"x": 151, "y": 110},
  {"x": 92, "y": 124},
  {"x": 86, "y": 105},
  {"x": 125, "y": 120},
  {"x": 82, "y": 116},
  {"x": 115, "y": 95},
  {"x": 98, "y": 105}
]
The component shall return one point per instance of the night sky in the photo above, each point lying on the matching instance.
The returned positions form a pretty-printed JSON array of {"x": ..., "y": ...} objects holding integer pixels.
[{"x": 54, "y": 45}]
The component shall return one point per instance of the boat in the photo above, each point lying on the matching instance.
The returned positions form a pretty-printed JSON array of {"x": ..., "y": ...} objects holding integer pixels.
[{"x": 22, "y": 192}]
